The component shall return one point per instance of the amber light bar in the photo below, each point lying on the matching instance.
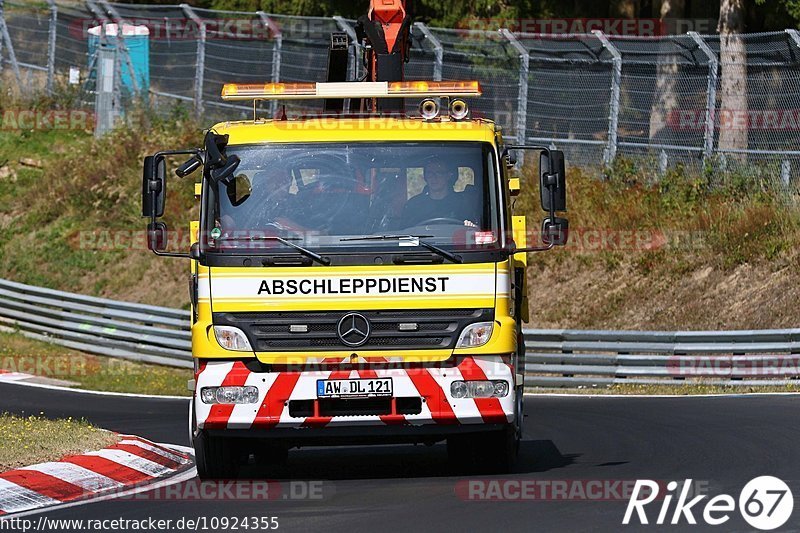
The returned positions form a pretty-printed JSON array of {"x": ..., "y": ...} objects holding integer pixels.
[{"x": 360, "y": 89}]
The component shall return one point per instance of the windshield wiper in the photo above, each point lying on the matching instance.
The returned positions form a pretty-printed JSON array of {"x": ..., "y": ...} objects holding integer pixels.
[
  {"x": 413, "y": 238},
  {"x": 305, "y": 251}
]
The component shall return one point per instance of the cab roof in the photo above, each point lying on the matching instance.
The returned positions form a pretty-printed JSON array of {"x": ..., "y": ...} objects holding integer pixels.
[{"x": 366, "y": 128}]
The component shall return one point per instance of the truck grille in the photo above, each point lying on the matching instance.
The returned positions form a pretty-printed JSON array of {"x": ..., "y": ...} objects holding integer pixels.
[{"x": 390, "y": 330}]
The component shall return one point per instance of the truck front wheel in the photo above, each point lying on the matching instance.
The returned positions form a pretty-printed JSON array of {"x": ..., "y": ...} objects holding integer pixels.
[
  {"x": 216, "y": 457},
  {"x": 492, "y": 452}
]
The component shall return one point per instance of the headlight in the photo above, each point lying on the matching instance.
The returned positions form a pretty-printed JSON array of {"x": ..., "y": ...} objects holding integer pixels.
[
  {"x": 229, "y": 395},
  {"x": 475, "y": 335},
  {"x": 479, "y": 389},
  {"x": 459, "y": 389},
  {"x": 232, "y": 338}
]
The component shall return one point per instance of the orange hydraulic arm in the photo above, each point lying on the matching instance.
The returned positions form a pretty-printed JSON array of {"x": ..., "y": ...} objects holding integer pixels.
[
  {"x": 390, "y": 14},
  {"x": 385, "y": 33}
]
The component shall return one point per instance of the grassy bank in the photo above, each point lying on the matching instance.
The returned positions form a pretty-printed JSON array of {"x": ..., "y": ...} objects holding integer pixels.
[
  {"x": 70, "y": 210},
  {"x": 35, "y": 439},
  {"x": 686, "y": 252}
]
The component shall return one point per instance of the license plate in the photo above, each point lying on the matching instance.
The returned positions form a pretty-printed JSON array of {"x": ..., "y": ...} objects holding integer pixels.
[{"x": 354, "y": 388}]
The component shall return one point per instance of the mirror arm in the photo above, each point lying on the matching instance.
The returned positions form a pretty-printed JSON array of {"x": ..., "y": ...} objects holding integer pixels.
[
  {"x": 173, "y": 254},
  {"x": 190, "y": 151},
  {"x": 531, "y": 249},
  {"x": 528, "y": 147},
  {"x": 551, "y": 188}
]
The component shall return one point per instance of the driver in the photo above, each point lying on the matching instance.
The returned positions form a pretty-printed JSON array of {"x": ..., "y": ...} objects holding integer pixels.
[
  {"x": 438, "y": 199},
  {"x": 276, "y": 206}
]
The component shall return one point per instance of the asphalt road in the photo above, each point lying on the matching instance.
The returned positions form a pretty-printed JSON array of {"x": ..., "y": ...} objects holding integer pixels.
[{"x": 720, "y": 443}]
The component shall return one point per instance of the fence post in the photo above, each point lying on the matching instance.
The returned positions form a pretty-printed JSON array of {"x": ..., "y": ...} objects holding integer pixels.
[
  {"x": 106, "y": 76},
  {"x": 51, "y": 46},
  {"x": 277, "y": 48},
  {"x": 711, "y": 93},
  {"x": 201, "y": 59},
  {"x": 438, "y": 50},
  {"x": 6, "y": 38},
  {"x": 786, "y": 173},
  {"x": 522, "y": 97},
  {"x": 613, "y": 111},
  {"x": 355, "y": 56}
]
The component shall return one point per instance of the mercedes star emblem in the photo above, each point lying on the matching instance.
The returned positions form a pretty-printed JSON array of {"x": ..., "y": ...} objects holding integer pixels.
[{"x": 353, "y": 329}]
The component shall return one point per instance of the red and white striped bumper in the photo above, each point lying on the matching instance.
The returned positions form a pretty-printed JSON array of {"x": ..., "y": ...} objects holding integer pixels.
[{"x": 277, "y": 389}]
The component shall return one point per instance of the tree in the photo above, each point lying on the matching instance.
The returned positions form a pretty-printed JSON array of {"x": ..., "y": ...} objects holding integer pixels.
[
  {"x": 665, "y": 97},
  {"x": 733, "y": 85}
]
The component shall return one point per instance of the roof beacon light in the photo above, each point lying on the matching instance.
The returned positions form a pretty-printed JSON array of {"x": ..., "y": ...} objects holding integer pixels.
[
  {"x": 361, "y": 89},
  {"x": 429, "y": 109}
]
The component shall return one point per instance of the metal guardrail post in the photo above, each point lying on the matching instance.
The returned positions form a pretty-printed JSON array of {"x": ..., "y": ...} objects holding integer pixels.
[
  {"x": 51, "y": 46},
  {"x": 355, "y": 55},
  {"x": 616, "y": 83},
  {"x": 522, "y": 97},
  {"x": 277, "y": 48},
  {"x": 438, "y": 50},
  {"x": 201, "y": 58},
  {"x": 711, "y": 93},
  {"x": 6, "y": 38}
]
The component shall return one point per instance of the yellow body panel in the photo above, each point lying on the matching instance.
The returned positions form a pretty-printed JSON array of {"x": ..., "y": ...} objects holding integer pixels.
[
  {"x": 367, "y": 129},
  {"x": 374, "y": 129}
]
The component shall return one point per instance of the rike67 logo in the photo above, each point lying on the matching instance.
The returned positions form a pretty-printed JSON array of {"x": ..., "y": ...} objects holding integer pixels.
[{"x": 766, "y": 503}]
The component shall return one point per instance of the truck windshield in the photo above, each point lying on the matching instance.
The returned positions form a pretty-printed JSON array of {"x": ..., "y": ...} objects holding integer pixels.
[{"x": 324, "y": 196}]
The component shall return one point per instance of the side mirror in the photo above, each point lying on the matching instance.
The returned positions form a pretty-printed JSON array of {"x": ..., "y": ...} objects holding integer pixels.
[
  {"x": 239, "y": 190},
  {"x": 154, "y": 187},
  {"x": 553, "y": 181},
  {"x": 513, "y": 186},
  {"x": 223, "y": 173},
  {"x": 157, "y": 236},
  {"x": 555, "y": 231}
]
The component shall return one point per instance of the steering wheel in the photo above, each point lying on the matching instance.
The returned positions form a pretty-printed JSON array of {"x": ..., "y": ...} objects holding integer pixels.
[{"x": 438, "y": 220}]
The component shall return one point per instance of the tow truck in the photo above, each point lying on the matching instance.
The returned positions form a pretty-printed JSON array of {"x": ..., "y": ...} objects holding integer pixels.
[{"x": 357, "y": 277}]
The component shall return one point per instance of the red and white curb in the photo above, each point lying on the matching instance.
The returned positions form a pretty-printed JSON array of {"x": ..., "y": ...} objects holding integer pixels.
[{"x": 131, "y": 462}]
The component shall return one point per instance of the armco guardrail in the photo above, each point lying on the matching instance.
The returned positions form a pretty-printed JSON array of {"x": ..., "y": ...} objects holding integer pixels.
[
  {"x": 97, "y": 325},
  {"x": 555, "y": 358},
  {"x": 574, "y": 358}
]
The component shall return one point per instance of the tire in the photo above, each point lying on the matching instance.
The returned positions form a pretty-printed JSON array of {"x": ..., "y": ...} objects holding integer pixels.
[
  {"x": 492, "y": 452},
  {"x": 271, "y": 455},
  {"x": 216, "y": 457}
]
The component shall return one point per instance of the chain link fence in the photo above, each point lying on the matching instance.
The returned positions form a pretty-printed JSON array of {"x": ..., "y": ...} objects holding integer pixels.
[{"x": 656, "y": 99}]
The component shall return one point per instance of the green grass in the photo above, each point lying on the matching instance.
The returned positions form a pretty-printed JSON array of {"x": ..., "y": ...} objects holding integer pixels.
[
  {"x": 35, "y": 439},
  {"x": 680, "y": 390},
  {"x": 21, "y": 354},
  {"x": 86, "y": 194}
]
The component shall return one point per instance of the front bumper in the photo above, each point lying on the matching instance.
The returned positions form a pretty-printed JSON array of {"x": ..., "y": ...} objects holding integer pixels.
[{"x": 431, "y": 385}]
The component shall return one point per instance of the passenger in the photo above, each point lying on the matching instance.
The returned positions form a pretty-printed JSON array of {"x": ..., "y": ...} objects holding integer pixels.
[{"x": 438, "y": 200}]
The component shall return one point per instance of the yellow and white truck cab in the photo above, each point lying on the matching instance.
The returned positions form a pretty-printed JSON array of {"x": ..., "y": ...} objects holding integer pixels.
[{"x": 357, "y": 279}]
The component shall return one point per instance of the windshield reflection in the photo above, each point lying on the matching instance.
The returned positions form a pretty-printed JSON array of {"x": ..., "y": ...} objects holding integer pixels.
[{"x": 318, "y": 195}]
